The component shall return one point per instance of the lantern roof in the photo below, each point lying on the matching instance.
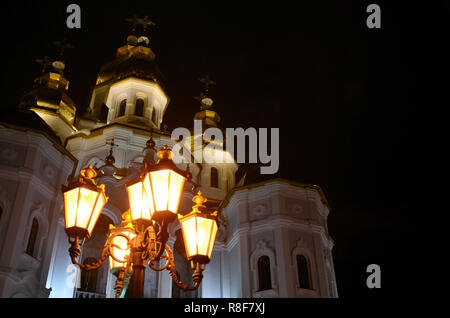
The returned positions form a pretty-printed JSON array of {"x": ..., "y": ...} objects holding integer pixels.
[
  {"x": 200, "y": 208},
  {"x": 165, "y": 162}
]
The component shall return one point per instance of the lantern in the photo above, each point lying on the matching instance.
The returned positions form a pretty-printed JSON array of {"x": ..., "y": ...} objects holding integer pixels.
[
  {"x": 121, "y": 237},
  {"x": 83, "y": 202},
  {"x": 120, "y": 246},
  {"x": 199, "y": 231},
  {"x": 156, "y": 194}
]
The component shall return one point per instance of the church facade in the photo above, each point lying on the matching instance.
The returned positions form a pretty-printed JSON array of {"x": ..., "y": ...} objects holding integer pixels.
[{"x": 273, "y": 239}]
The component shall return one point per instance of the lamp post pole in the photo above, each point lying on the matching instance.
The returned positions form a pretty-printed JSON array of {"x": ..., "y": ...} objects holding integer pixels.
[{"x": 137, "y": 280}]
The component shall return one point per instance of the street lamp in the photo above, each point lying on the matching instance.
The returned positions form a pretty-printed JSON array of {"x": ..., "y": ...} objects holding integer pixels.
[
  {"x": 154, "y": 198},
  {"x": 83, "y": 202},
  {"x": 199, "y": 231}
]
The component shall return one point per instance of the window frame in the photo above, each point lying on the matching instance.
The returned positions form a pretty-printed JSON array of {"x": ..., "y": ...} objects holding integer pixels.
[
  {"x": 216, "y": 174},
  {"x": 32, "y": 238},
  {"x": 142, "y": 106},
  {"x": 122, "y": 105}
]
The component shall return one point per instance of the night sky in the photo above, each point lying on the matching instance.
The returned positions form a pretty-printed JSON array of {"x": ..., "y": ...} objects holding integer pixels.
[{"x": 361, "y": 111}]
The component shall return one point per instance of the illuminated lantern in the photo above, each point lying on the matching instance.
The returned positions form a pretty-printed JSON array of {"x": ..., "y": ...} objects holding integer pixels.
[
  {"x": 83, "y": 202},
  {"x": 120, "y": 246},
  {"x": 199, "y": 231},
  {"x": 156, "y": 194}
]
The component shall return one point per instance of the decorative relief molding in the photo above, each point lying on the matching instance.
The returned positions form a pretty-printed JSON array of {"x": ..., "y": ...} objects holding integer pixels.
[
  {"x": 49, "y": 171},
  {"x": 269, "y": 224},
  {"x": 9, "y": 154},
  {"x": 260, "y": 210},
  {"x": 297, "y": 209}
]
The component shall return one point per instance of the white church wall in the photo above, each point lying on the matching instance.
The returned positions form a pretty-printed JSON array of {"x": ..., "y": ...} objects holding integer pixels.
[
  {"x": 63, "y": 276},
  {"x": 8, "y": 190},
  {"x": 235, "y": 272},
  {"x": 38, "y": 176},
  {"x": 278, "y": 215},
  {"x": 212, "y": 276}
]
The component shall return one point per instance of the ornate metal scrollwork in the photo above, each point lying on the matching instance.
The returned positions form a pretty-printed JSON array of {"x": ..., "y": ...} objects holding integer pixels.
[{"x": 153, "y": 250}]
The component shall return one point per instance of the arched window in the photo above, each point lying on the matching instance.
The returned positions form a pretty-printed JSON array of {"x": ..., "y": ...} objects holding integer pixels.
[
  {"x": 214, "y": 177},
  {"x": 264, "y": 278},
  {"x": 32, "y": 237},
  {"x": 104, "y": 113},
  {"x": 122, "y": 107},
  {"x": 88, "y": 280},
  {"x": 139, "y": 110},
  {"x": 304, "y": 280},
  {"x": 154, "y": 115}
]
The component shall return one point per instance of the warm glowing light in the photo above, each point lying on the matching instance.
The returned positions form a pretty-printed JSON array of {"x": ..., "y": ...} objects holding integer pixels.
[
  {"x": 199, "y": 234},
  {"x": 167, "y": 186},
  {"x": 156, "y": 194},
  {"x": 141, "y": 201},
  {"x": 160, "y": 186},
  {"x": 120, "y": 249},
  {"x": 82, "y": 206},
  {"x": 199, "y": 231}
]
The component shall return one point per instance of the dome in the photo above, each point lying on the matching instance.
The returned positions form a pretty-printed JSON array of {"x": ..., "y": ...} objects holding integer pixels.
[{"x": 137, "y": 61}]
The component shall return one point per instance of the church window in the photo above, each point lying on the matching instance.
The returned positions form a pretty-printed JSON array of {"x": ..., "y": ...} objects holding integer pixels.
[
  {"x": 264, "y": 276},
  {"x": 32, "y": 237},
  {"x": 139, "y": 111},
  {"x": 214, "y": 177},
  {"x": 122, "y": 107},
  {"x": 304, "y": 280},
  {"x": 104, "y": 112}
]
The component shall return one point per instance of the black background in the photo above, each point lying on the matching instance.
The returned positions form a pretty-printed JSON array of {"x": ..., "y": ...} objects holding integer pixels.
[{"x": 361, "y": 111}]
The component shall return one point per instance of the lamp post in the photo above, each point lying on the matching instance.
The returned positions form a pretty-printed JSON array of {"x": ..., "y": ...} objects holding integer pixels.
[{"x": 141, "y": 239}]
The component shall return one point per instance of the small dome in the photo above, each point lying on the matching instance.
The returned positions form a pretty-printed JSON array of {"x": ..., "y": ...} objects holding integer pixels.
[
  {"x": 59, "y": 66},
  {"x": 132, "y": 40},
  {"x": 207, "y": 101},
  {"x": 144, "y": 39}
]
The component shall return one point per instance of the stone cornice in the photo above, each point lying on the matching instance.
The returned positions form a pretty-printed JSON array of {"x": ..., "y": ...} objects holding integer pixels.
[
  {"x": 24, "y": 174},
  {"x": 280, "y": 186},
  {"x": 27, "y": 134},
  {"x": 274, "y": 222}
]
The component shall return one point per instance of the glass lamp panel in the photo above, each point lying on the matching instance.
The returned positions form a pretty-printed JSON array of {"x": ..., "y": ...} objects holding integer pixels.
[
  {"x": 70, "y": 206},
  {"x": 204, "y": 231},
  {"x": 212, "y": 238},
  {"x": 101, "y": 201},
  {"x": 135, "y": 199},
  {"x": 175, "y": 188},
  {"x": 160, "y": 185},
  {"x": 86, "y": 202},
  {"x": 188, "y": 226},
  {"x": 148, "y": 195},
  {"x": 138, "y": 202},
  {"x": 119, "y": 252}
]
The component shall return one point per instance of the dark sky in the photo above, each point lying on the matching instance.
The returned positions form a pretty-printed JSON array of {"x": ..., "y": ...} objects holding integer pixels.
[{"x": 360, "y": 111}]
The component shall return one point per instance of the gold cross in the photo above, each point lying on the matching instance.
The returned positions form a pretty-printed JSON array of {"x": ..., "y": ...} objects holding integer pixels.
[
  {"x": 144, "y": 22},
  {"x": 207, "y": 82},
  {"x": 64, "y": 44},
  {"x": 44, "y": 62}
]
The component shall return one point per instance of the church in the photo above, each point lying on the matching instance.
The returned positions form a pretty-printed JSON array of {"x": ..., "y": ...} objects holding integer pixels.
[{"x": 273, "y": 238}]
